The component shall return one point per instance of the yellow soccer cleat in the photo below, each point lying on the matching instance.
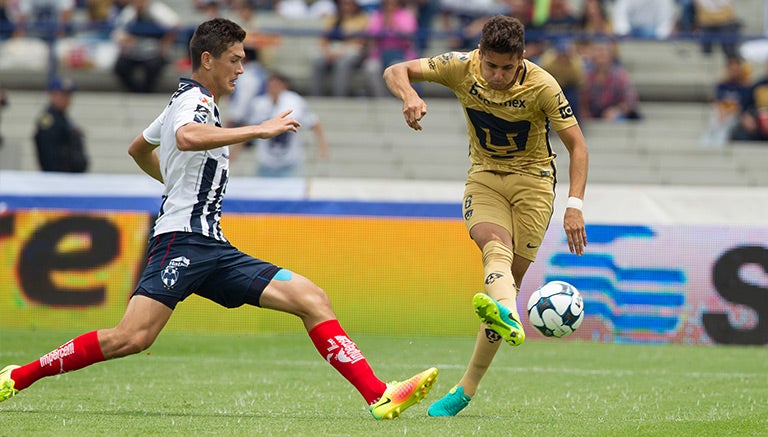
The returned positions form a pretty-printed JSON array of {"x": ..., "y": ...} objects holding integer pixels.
[
  {"x": 6, "y": 383},
  {"x": 501, "y": 319},
  {"x": 401, "y": 395}
]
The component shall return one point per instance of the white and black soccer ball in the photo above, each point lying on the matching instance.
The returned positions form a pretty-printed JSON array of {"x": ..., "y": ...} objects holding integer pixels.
[{"x": 556, "y": 309}]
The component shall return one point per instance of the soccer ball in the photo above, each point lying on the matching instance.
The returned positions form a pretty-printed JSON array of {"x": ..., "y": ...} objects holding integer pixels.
[{"x": 556, "y": 309}]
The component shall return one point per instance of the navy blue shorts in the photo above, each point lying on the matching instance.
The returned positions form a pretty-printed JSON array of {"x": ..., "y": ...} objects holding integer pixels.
[{"x": 183, "y": 263}]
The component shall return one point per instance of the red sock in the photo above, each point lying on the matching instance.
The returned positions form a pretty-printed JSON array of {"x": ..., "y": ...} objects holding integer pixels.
[
  {"x": 75, "y": 354},
  {"x": 342, "y": 353}
]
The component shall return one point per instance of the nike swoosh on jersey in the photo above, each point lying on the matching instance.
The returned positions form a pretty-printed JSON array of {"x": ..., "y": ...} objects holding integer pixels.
[{"x": 531, "y": 246}]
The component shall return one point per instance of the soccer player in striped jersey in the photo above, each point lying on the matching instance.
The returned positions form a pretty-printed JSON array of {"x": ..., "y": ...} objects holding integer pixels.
[
  {"x": 186, "y": 148},
  {"x": 510, "y": 105}
]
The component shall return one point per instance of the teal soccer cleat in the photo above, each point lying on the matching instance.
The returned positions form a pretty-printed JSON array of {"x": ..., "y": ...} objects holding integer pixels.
[{"x": 450, "y": 404}]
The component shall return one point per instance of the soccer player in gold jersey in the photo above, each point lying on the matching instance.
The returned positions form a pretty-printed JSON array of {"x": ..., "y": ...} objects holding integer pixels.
[{"x": 510, "y": 104}]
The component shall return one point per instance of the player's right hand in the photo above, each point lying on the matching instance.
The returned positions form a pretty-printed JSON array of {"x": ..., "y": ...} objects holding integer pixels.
[
  {"x": 414, "y": 110},
  {"x": 575, "y": 231}
]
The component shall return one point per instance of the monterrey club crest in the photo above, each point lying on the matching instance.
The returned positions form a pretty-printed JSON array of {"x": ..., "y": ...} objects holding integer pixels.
[{"x": 171, "y": 273}]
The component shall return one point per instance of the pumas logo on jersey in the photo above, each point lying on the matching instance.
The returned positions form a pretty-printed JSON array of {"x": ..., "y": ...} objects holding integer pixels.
[{"x": 172, "y": 272}]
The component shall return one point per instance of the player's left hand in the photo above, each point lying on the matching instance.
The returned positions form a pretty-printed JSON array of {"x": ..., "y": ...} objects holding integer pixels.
[
  {"x": 278, "y": 125},
  {"x": 573, "y": 223}
]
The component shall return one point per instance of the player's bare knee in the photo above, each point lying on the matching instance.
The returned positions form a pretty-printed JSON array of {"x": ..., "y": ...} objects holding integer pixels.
[
  {"x": 315, "y": 301},
  {"x": 122, "y": 342}
]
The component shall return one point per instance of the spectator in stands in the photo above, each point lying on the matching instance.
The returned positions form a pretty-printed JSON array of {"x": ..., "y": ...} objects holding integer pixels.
[
  {"x": 283, "y": 155},
  {"x": 716, "y": 22},
  {"x": 520, "y": 9},
  {"x": 115, "y": 10},
  {"x": 608, "y": 92},
  {"x": 468, "y": 27},
  {"x": 368, "y": 6},
  {"x": 246, "y": 11},
  {"x": 145, "y": 35},
  {"x": 210, "y": 8},
  {"x": 341, "y": 49},
  {"x": 391, "y": 30},
  {"x": 594, "y": 23},
  {"x": 3, "y": 104},
  {"x": 303, "y": 9},
  {"x": 644, "y": 18},
  {"x": 562, "y": 21},
  {"x": 7, "y": 20},
  {"x": 45, "y": 19},
  {"x": 566, "y": 65},
  {"x": 459, "y": 15},
  {"x": 99, "y": 17},
  {"x": 426, "y": 11},
  {"x": 686, "y": 17},
  {"x": 753, "y": 121},
  {"x": 58, "y": 140},
  {"x": 262, "y": 41},
  {"x": 730, "y": 93},
  {"x": 594, "y": 20}
]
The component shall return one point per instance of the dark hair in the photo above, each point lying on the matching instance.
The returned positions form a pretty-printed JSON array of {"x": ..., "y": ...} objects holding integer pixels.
[
  {"x": 215, "y": 37},
  {"x": 503, "y": 34}
]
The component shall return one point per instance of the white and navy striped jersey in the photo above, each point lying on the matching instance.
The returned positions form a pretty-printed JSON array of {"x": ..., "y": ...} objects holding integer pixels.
[{"x": 195, "y": 181}]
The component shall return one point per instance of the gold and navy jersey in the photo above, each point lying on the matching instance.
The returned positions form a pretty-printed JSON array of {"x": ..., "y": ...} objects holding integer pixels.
[{"x": 508, "y": 129}]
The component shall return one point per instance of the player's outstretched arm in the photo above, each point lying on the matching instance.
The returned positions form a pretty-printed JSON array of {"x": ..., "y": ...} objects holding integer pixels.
[
  {"x": 573, "y": 222},
  {"x": 199, "y": 136},
  {"x": 398, "y": 78},
  {"x": 146, "y": 157}
]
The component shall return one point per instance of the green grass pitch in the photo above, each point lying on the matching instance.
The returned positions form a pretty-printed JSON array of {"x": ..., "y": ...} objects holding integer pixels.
[{"x": 278, "y": 385}]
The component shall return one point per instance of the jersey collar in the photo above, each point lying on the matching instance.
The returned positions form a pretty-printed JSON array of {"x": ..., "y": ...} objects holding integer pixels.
[
  {"x": 196, "y": 84},
  {"x": 523, "y": 72}
]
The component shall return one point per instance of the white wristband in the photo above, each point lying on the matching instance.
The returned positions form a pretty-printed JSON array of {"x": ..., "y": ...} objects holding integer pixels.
[{"x": 574, "y": 202}]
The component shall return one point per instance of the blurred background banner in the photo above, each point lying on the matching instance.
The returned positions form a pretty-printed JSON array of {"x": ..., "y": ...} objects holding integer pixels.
[
  {"x": 663, "y": 273},
  {"x": 665, "y": 283}
]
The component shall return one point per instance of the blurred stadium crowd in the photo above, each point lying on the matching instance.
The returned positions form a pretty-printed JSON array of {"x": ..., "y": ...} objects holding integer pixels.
[
  {"x": 364, "y": 35},
  {"x": 617, "y": 60}
]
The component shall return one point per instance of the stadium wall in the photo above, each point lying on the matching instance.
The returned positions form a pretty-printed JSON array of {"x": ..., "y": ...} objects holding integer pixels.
[{"x": 663, "y": 265}]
